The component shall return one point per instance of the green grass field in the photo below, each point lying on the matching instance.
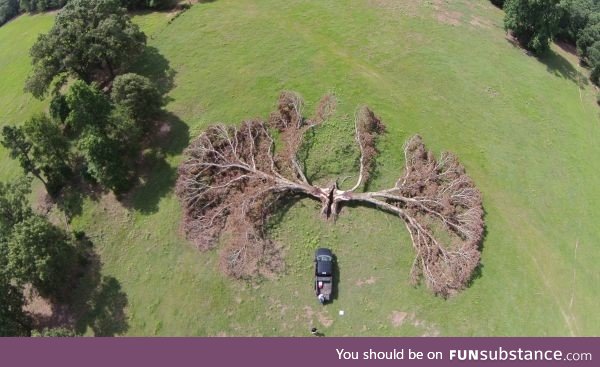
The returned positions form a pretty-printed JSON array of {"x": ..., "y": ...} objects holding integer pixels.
[{"x": 527, "y": 130}]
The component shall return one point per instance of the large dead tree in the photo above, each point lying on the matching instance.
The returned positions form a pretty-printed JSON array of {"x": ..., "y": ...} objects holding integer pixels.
[{"x": 233, "y": 178}]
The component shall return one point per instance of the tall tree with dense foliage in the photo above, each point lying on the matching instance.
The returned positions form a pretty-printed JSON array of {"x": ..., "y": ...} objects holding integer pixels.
[
  {"x": 41, "y": 254},
  {"x": 41, "y": 149},
  {"x": 92, "y": 40},
  {"x": 594, "y": 60},
  {"x": 14, "y": 205},
  {"x": 87, "y": 108},
  {"x": 533, "y": 22},
  {"x": 14, "y": 208},
  {"x": 576, "y": 17},
  {"x": 106, "y": 136},
  {"x": 138, "y": 95},
  {"x": 8, "y": 9},
  {"x": 589, "y": 35}
]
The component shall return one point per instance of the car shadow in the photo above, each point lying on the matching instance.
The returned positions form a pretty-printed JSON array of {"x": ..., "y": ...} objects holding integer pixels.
[{"x": 336, "y": 279}]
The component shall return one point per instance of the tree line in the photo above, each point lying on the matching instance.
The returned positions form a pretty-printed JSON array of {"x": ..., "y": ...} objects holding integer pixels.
[
  {"x": 535, "y": 23},
  {"x": 99, "y": 113},
  {"x": 11, "y": 8}
]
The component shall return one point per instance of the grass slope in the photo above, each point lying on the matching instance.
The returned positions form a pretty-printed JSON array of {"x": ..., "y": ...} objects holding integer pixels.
[{"x": 526, "y": 129}]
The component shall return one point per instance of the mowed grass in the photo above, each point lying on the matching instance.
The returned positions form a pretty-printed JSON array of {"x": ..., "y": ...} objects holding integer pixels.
[{"x": 527, "y": 130}]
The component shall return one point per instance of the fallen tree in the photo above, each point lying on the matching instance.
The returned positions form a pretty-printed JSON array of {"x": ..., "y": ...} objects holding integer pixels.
[{"x": 233, "y": 178}]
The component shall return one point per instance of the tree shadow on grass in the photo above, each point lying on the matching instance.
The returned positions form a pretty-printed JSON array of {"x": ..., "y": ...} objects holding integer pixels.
[
  {"x": 154, "y": 66},
  {"x": 336, "y": 279},
  {"x": 156, "y": 176},
  {"x": 93, "y": 300},
  {"x": 99, "y": 301},
  {"x": 555, "y": 63}
]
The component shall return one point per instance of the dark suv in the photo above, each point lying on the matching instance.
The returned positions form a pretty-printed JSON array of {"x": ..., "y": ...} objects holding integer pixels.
[{"x": 323, "y": 274}]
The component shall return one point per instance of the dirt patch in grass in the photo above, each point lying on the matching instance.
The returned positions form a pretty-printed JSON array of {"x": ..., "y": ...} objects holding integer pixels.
[
  {"x": 408, "y": 8},
  {"x": 398, "y": 318},
  {"x": 324, "y": 319},
  {"x": 480, "y": 22},
  {"x": 44, "y": 314},
  {"x": 368, "y": 281},
  {"x": 449, "y": 17},
  {"x": 308, "y": 312}
]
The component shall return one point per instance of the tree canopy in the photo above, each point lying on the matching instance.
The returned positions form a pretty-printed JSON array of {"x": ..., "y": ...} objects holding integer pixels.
[
  {"x": 533, "y": 22},
  {"x": 92, "y": 40},
  {"x": 41, "y": 149},
  {"x": 138, "y": 95},
  {"x": 41, "y": 254}
]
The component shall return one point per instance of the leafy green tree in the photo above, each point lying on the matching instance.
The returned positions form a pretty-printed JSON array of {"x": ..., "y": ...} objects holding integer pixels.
[
  {"x": 14, "y": 206},
  {"x": 106, "y": 161},
  {"x": 41, "y": 254},
  {"x": 87, "y": 108},
  {"x": 8, "y": 9},
  {"x": 533, "y": 22},
  {"x": 13, "y": 321},
  {"x": 138, "y": 95},
  {"x": 578, "y": 15},
  {"x": 594, "y": 60},
  {"x": 92, "y": 40},
  {"x": 588, "y": 36},
  {"x": 41, "y": 149}
]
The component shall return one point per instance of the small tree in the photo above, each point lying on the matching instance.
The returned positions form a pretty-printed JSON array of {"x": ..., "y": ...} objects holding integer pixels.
[
  {"x": 106, "y": 160},
  {"x": 88, "y": 108},
  {"x": 594, "y": 60},
  {"x": 14, "y": 206},
  {"x": 41, "y": 149},
  {"x": 8, "y": 9},
  {"x": 533, "y": 22},
  {"x": 587, "y": 37},
  {"x": 41, "y": 254},
  {"x": 92, "y": 40},
  {"x": 138, "y": 95}
]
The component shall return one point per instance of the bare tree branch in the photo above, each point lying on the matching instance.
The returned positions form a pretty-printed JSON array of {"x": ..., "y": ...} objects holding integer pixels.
[{"x": 232, "y": 181}]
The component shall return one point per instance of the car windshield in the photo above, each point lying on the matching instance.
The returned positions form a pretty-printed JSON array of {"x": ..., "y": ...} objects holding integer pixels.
[{"x": 323, "y": 258}]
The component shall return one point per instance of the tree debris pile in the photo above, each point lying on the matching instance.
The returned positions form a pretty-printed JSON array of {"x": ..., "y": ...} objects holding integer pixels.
[{"x": 233, "y": 178}]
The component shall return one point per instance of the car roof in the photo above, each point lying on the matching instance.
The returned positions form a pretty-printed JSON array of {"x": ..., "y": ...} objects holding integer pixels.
[{"x": 323, "y": 251}]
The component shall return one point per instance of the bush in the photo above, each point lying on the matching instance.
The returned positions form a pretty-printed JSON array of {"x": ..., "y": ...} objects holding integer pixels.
[
  {"x": 33, "y": 6},
  {"x": 594, "y": 60},
  {"x": 137, "y": 95},
  {"x": 8, "y": 9},
  {"x": 533, "y": 22},
  {"x": 588, "y": 36}
]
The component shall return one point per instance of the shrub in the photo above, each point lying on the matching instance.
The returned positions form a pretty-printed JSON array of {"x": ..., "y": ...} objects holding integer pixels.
[
  {"x": 8, "y": 9},
  {"x": 533, "y": 22},
  {"x": 137, "y": 95}
]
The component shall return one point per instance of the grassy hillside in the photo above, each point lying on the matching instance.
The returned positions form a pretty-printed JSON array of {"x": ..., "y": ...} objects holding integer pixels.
[{"x": 526, "y": 129}]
